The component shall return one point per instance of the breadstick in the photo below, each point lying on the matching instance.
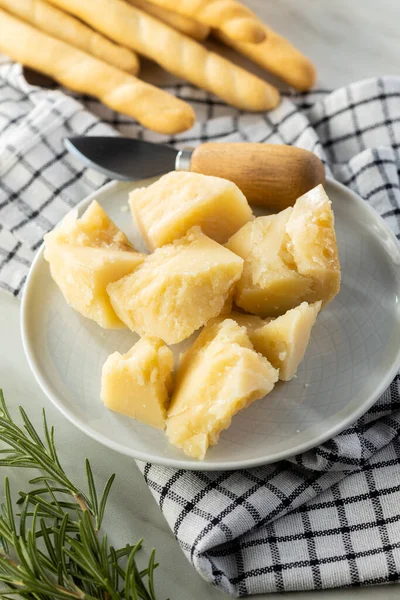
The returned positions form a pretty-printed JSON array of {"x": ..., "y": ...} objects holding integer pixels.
[
  {"x": 278, "y": 56},
  {"x": 175, "y": 52},
  {"x": 85, "y": 74},
  {"x": 55, "y": 22},
  {"x": 233, "y": 18},
  {"x": 194, "y": 29}
]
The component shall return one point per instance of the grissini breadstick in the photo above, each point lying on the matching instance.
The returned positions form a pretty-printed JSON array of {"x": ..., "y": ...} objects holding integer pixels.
[
  {"x": 194, "y": 29},
  {"x": 85, "y": 74},
  {"x": 278, "y": 56},
  {"x": 63, "y": 26},
  {"x": 174, "y": 51},
  {"x": 231, "y": 17}
]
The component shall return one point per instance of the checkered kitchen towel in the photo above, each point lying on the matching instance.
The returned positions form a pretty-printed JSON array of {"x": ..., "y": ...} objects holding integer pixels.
[{"x": 330, "y": 517}]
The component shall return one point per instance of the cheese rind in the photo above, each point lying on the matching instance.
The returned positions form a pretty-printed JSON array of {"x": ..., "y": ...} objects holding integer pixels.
[
  {"x": 168, "y": 208},
  {"x": 289, "y": 257},
  {"x": 138, "y": 384},
  {"x": 178, "y": 288},
  {"x": 218, "y": 376},
  {"x": 85, "y": 255},
  {"x": 283, "y": 341}
]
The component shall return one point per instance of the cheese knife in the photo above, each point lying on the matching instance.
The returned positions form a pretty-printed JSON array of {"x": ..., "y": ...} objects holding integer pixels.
[{"x": 269, "y": 175}]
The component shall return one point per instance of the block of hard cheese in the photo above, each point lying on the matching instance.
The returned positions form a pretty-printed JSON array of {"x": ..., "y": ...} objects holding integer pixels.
[
  {"x": 94, "y": 229},
  {"x": 218, "y": 376},
  {"x": 138, "y": 384},
  {"x": 289, "y": 257},
  {"x": 311, "y": 242},
  {"x": 283, "y": 341},
  {"x": 268, "y": 286},
  {"x": 85, "y": 255},
  {"x": 167, "y": 209},
  {"x": 178, "y": 288}
]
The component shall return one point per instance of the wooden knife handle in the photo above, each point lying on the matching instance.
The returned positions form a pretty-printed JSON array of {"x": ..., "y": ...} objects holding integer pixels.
[{"x": 270, "y": 175}]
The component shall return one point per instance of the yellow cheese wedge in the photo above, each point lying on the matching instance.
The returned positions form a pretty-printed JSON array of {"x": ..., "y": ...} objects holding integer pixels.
[
  {"x": 289, "y": 257},
  {"x": 138, "y": 384},
  {"x": 283, "y": 341},
  {"x": 168, "y": 208},
  {"x": 311, "y": 242},
  {"x": 85, "y": 255},
  {"x": 94, "y": 229},
  {"x": 178, "y": 288},
  {"x": 218, "y": 376},
  {"x": 268, "y": 286}
]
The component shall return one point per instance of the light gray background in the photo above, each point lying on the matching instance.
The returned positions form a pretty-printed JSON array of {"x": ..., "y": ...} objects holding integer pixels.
[{"x": 348, "y": 40}]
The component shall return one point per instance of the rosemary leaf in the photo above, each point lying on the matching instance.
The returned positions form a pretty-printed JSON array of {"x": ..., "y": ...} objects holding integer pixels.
[{"x": 54, "y": 547}]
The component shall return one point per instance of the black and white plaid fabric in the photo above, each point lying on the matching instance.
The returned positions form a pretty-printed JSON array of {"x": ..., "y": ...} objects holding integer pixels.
[{"x": 330, "y": 517}]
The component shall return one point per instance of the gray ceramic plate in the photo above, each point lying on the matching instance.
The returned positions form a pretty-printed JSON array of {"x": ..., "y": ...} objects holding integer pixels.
[{"x": 353, "y": 355}]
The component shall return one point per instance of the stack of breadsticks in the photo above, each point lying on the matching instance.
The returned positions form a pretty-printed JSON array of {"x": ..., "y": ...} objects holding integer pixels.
[{"x": 91, "y": 46}]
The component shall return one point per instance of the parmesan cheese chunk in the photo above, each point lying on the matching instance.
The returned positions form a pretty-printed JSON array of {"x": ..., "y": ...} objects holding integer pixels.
[
  {"x": 168, "y": 208},
  {"x": 283, "y": 341},
  {"x": 311, "y": 242},
  {"x": 178, "y": 288},
  {"x": 137, "y": 384},
  {"x": 289, "y": 257},
  {"x": 218, "y": 376},
  {"x": 268, "y": 286},
  {"x": 85, "y": 255}
]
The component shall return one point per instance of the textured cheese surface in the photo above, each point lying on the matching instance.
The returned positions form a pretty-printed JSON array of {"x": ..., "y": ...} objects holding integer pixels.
[
  {"x": 283, "y": 341},
  {"x": 289, "y": 257},
  {"x": 168, "y": 208},
  {"x": 85, "y": 255},
  {"x": 138, "y": 384},
  {"x": 94, "y": 229},
  {"x": 311, "y": 241},
  {"x": 227, "y": 308},
  {"x": 268, "y": 286},
  {"x": 218, "y": 376},
  {"x": 178, "y": 288}
]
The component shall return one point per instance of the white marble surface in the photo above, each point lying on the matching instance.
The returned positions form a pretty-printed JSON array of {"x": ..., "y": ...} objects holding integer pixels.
[{"x": 348, "y": 40}]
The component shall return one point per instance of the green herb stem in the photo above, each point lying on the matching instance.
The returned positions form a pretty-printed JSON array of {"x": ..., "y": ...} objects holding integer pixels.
[{"x": 54, "y": 547}]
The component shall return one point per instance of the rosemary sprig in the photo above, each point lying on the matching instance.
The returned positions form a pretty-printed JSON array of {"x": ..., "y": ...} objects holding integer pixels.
[{"x": 54, "y": 549}]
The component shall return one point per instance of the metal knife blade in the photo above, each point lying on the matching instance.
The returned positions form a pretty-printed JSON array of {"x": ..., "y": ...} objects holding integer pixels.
[{"x": 123, "y": 158}]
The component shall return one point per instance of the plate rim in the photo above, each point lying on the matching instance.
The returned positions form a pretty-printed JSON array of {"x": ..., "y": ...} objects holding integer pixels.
[{"x": 193, "y": 465}]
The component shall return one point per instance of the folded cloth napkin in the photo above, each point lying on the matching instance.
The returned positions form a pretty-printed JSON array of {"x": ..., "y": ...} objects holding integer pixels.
[{"x": 329, "y": 517}]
